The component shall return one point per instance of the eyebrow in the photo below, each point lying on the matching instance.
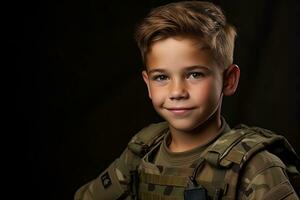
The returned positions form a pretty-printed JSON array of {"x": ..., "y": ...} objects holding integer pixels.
[{"x": 189, "y": 68}]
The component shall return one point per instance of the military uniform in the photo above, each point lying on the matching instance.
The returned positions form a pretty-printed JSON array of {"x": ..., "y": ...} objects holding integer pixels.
[{"x": 236, "y": 164}]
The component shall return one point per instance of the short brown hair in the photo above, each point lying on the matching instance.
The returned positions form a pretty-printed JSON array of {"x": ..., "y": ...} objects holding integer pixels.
[{"x": 202, "y": 20}]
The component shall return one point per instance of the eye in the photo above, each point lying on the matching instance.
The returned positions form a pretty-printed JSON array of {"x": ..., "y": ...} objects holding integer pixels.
[
  {"x": 159, "y": 77},
  {"x": 195, "y": 75}
]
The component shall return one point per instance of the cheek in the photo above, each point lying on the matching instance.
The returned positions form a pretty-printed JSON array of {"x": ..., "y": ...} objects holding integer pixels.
[
  {"x": 207, "y": 93},
  {"x": 157, "y": 95}
]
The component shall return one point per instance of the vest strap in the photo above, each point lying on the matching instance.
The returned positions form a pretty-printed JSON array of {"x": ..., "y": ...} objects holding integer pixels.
[
  {"x": 217, "y": 151},
  {"x": 164, "y": 179},
  {"x": 145, "y": 139},
  {"x": 153, "y": 196}
]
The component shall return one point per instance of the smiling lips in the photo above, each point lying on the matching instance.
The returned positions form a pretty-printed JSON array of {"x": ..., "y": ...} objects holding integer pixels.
[{"x": 179, "y": 111}]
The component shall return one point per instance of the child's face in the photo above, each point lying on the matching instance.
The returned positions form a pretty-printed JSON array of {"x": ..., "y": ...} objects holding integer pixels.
[{"x": 184, "y": 83}]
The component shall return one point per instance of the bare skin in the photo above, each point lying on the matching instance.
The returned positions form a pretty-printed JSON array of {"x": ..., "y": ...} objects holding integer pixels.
[{"x": 183, "y": 141}]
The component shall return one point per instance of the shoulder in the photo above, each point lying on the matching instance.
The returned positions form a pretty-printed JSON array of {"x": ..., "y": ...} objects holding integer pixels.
[
  {"x": 262, "y": 174},
  {"x": 147, "y": 137},
  {"x": 118, "y": 174},
  {"x": 140, "y": 144},
  {"x": 150, "y": 131},
  {"x": 262, "y": 161},
  {"x": 264, "y": 177}
]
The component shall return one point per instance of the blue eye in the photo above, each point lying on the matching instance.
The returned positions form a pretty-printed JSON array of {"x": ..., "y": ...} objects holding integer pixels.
[{"x": 159, "y": 77}]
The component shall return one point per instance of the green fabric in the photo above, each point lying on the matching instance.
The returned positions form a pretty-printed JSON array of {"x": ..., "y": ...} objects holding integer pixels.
[
  {"x": 165, "y": 157},
  {"x": 225, "y": 156},
  {"x": 164, "y": 179}
]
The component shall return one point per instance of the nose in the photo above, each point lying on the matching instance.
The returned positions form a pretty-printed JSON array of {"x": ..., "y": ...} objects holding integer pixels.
[{"x": 178, "y": 90}]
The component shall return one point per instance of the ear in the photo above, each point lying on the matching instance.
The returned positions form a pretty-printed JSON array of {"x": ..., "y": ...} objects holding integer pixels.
[
  {"x": 231, "y": 80},
  {"x": 146, "y": 80}
]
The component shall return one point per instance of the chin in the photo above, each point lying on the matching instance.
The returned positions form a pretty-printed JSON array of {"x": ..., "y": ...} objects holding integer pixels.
[{"x": 183, "y": 125}]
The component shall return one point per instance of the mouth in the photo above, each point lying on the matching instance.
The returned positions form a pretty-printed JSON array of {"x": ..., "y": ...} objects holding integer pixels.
[{"x": 179, "y": 111}]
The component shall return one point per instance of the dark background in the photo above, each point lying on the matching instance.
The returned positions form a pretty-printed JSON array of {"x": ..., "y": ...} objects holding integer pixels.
[{"x": 80, "y": 96}]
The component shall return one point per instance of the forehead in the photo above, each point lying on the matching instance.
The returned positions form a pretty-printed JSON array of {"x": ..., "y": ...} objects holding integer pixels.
[{"x": 178, "y": 52}]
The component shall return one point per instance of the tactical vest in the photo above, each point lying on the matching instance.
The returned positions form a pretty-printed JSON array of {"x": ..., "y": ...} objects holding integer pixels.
[{"x": 214, "y": 176}]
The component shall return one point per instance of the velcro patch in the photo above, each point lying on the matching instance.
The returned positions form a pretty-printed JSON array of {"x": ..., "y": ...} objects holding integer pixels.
[{"x": 105, "y": 179}]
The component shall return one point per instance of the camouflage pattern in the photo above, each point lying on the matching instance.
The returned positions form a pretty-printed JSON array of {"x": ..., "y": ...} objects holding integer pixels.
[
  {"x": 238, "y": 165},
  {"x": 111, "y": 184},
  {"x": 159, "y": 182},
  {"x": 119, "y": 170},
  {"x": 265, "y": 174},
  {"x": 250, "y": 146}
]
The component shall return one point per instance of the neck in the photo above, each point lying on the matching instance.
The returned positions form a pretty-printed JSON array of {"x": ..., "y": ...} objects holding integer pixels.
[{"x": 203, "y": 134}]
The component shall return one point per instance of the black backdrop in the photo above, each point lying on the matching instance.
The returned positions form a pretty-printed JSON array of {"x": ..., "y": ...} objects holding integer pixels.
[{"x": 80, "y": 96}]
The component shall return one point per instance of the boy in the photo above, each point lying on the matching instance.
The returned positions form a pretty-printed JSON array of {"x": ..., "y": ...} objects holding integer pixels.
[{"x": 187, "y": 48}]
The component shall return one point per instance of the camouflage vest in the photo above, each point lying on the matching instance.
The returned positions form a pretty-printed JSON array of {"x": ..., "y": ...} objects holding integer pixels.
[{"x": 215, "y": 175}]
